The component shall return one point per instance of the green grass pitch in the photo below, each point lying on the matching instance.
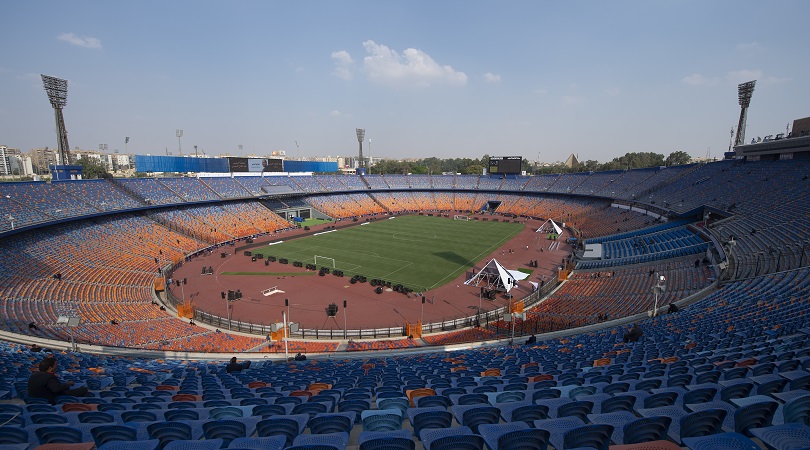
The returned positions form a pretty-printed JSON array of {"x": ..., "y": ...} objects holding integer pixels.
[
  {"x": 419, "y": 252},
  {"x": 313, "y": 222}
]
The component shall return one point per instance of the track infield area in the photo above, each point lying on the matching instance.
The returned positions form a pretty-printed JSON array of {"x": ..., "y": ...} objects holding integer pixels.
[
  {"x": 411, "y": 250},
  {"x": 419, "y": 252}
]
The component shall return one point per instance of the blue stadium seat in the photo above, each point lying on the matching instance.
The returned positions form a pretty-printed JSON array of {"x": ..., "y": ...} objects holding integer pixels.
[
  {"x": 754, "y": 415},
  {"x": 259, "y": 443},
  {"x": 56, "y": 434},
  {"x": 456, "y": 438},
  {"x": 782, "y": 437},
  {"x": 149, "y": 444},
  {"x": 702, "y": 423},
  {"x": 288, "y": 426},
  {"x": 110, "y": 433},
  {"x": 13, "y": 435},
  {"x": 429, "y": 418},
  {"x": 334, "y": 440},
  {"x": 206, "y": 444},
  {"x": 648, "y": 429},
  {"x": 730, "y": 441},
  {"x": 331, "y": 423},
  {"x": 225, "y": 430},
  {"x": 797, "y": 410},
  {"x": 393, "y": 440},
  {"x": 166, "y": 432},
  {"x": 595, "y": 436}
]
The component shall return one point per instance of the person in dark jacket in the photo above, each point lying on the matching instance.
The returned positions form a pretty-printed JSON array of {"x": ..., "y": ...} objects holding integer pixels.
[
  {"x": 45, "y": 384},
  {"x": 234, "y": 366},
  {"x": 634, "y": 334}
]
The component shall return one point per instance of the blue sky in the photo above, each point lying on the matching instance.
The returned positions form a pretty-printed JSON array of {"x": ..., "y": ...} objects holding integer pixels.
[{"x": 424, "y": 78}]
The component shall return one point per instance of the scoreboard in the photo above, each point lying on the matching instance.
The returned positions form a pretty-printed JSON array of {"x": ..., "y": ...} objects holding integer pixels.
[
  {"x": 505, "y": 164},
  {"x": 255, "y": 165}
]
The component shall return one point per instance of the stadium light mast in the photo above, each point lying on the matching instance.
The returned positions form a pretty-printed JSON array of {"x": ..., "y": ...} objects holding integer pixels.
[
  {"x": 744, "y": 92},
  {"x": 179, "y": 134},
  {"x": 56, "y": 88},
  {"x": 658, "y": 289},
  {"x": 361, "y": 134},
  {"x": 286, "y": 343}
]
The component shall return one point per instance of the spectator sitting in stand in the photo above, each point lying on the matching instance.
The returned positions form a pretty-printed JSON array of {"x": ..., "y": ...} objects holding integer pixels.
[
  {"x": 45, "y": 384},
  {"x": 634, "y": 334},
  {"x": 234, "y": 366}
]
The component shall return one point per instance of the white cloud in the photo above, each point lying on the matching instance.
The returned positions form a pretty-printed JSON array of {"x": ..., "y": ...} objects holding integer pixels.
[
  {"x": 697, "y": 79},
  {"x": 343, "y": 64},
  {"x": 411, "y": 68},
  {"x": 612, "y": 92},
  {"x": 741, "y": 76},
  {"x": 571, "y": 100},
  {"x": 80, "y": 41},
  {"x": 342, "y": 57},
  {"x": 540, "y": 91},
  {"x": 492, "y": 78},
  {"x": 335, "y": 113}
]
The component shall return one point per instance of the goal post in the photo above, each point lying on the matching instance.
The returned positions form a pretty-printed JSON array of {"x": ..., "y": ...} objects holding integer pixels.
[
  {"x": 460, "y": 217},
  {"x": 324, "y": 259}
]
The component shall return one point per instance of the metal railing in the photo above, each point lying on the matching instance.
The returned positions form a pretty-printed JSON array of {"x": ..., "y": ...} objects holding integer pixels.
[{"x": 483, "y": 319}]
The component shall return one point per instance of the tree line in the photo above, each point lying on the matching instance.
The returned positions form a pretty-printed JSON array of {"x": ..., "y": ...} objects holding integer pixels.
[{"x": 469, "y": 166}]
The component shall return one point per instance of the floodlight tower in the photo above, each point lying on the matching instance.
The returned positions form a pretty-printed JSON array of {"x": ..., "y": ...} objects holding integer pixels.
[
  {"x": 658, "y": 289},
  {"x": 56, "y": 88},
  {"x": 744, "y": 92},
  {"x": 179, "y": 134},
  {"x": 361, "y": 134}
]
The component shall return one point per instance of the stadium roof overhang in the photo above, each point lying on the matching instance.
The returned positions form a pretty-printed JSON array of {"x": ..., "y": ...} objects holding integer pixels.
[{"x": 776, "y": 149}]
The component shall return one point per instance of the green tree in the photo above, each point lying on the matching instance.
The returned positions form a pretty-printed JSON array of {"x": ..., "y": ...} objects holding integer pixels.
[
  {"x": 639, "y": 160},
  {"x": 677, "y": 158},
  {"x": 433, "y": 164},
  {"x": 590, "y": 166},
  {"x": 473, "y": 169},
  {"x": 92, "y": 168}
]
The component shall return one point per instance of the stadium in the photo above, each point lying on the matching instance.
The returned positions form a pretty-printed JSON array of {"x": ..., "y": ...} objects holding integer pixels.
[
  {"x": 733, "y": 358},
  {"x": 297, "y": 302}
]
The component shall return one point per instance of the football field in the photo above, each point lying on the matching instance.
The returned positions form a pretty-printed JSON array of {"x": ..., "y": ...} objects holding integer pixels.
[{"x": 419, "y": 252}]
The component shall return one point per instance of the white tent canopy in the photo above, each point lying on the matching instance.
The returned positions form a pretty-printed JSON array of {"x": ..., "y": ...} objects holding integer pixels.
[
  {"x": 557, "y": 228},
  {"x": 496, "y": 277}
]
